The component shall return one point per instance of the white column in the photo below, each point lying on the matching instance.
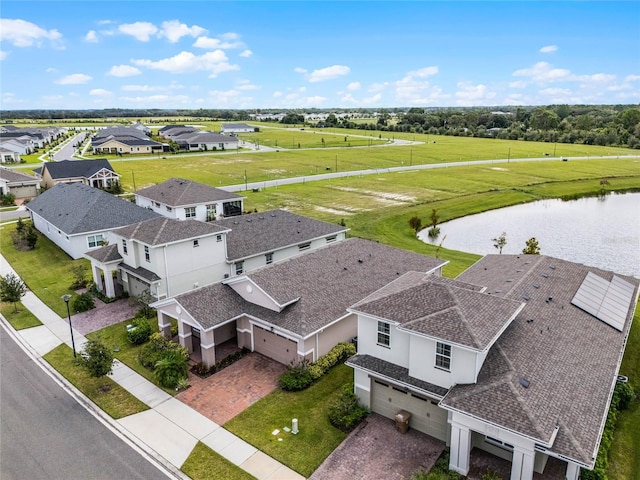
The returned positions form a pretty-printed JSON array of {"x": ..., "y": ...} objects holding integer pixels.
[
  {"x": 460, "y": 449},
  {"x": 208, "y": 347},
  {"x": 108, "y": 281},
  {"x": 184, "y": 336},
  {"x": 97, "y": 279},
  {"x": 522, "y": 465},
  {"x": 573, "y": 471}
]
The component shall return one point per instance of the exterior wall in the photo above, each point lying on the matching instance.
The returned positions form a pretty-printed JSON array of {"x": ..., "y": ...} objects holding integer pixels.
[
  {"x": 179, "y": 212},
  {"x": 243, "y": 326},
  {"x": 342, "y": 331},
  {"x": 113, "y": 146},
  {"x": 398, "y": 350},
  {"x": 225, "y": 332},
  {"x": 251, "y": 293},
  {"x": 362, "y": 385}
]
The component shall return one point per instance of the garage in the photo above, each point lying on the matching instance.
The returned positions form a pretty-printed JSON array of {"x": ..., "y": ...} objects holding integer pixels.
[
  {"x": 426, "y": 416},
  {"x": 272, "y": 345}
]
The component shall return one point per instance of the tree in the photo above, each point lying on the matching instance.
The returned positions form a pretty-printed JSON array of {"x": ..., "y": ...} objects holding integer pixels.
[
  {"x": 12, "y": 289},
  {"x": 531, "y": 247},
  {"x": 96, "y": 358},
  {"x": 415, "y": 223},
  {"x": 171, "y": 369},
  {"x": 500, "y": 241}
]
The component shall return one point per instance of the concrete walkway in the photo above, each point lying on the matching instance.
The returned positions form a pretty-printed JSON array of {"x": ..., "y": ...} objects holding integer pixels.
[{"x": 167, "y": 432}]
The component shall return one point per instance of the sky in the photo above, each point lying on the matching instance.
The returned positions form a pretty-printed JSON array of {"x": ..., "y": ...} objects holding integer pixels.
[{"x": 322, "y": 54}]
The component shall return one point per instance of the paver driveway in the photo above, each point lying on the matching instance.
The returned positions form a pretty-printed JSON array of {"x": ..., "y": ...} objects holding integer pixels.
[{"x": 225, "y": 394}]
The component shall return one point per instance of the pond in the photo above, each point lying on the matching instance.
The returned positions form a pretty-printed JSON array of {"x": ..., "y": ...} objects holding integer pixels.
[{"x": 600, "y": 232}]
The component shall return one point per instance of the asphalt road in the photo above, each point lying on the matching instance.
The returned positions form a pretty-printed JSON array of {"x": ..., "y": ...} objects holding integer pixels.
[{"x": 45, "y": 434}]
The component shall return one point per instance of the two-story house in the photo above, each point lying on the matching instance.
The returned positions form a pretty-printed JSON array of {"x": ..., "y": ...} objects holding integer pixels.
[{"x": 518, "y": 356}]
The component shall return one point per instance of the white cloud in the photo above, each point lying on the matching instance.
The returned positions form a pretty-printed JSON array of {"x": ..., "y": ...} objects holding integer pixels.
[
  {"x": 555, "y": 91},
  {"x": 549, "y": 49},
  {"x": 596, "y": 78},
  {"x": 123, "y": 71},
  {"x": 139, "y": 30},
  {"x": 105, "y": 22},
  {"x": 328, "y": 73},
  {"x": 372, "y": 100},
  {"x": 348, "y": 98},
  {"x": 3, "y": 55},
  {"x": 51, "y": 70},
  {"x": 158, "y": 100},
  {"x": 277, "y": 94},
  {"x": 469, "y": 94},
  {"x": 518, "y": 84},
  {"x": 151, "y": 88},
  {"x": 543, "y": 72},
  {"x": 91, "y": 37},
  {"x": 74, "y": 79},
  {"x": 174, "y": 30},
  {"x": 377, "y": 87},
  {"x": 414, "y": 89},
  {"x": 246, "y": 85},
  {"x": 353, "y": 86},
  {"x": 246, "y": 53},
  {"x": 300, "y": 70},
  {"x": 21, "y": 33},
  {"x": 631, "y": 78},
  {"x": 99, "y": 92},
  {"x": 214, "y": 62},
  {"x": 225, "y": 41},
  {"x": 315, "y": 101}
]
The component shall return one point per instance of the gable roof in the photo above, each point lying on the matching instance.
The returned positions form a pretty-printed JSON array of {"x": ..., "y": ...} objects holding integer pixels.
[
  {"x": 178, "y": 192},
  {"x": 118, "y": 132},
  {"x": 325, "y": 281},
  {"x": 163, "y": 230},
  {"x": 568, "y": 357},
  {"x": 265, "y": 232},
  {"x": 76, "y": 208},
  {"x": 12, "y": 176},
  {"x": 76, "y": 168},
  {"x": 206, "y": 137}
]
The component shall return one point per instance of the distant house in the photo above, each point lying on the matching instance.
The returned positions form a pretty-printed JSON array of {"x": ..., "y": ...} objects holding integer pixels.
[
  {"x": 238, "y": 128},
  {"x": 170, "y": 131},
  {"x": 95, "y": 173},
  {"x": 79, "y": 218},
  {"x": 8, "y": 155},
  {"x": 204, "y": 141},
  {"x": 183, "y": 199},
  {"x": 128, "y": 144},
  {"x": 19, "y": 184}
]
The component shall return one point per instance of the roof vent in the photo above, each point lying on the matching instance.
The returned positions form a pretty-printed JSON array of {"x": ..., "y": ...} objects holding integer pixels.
[
  {"x": 535, "y": 285},
  {"x": 526, "y": 297},
  {"x": 545, "y": 275},
  {"x": 552, "y": 267},
  {"x": 509, "y": 280},
  {"x": 524, "y": 382},
  {"x": 549, "y": 299},
  {"x": 359, "y": 260},
  {"x": 344, "y": 268},
  {"x": 529, "y": 320}
]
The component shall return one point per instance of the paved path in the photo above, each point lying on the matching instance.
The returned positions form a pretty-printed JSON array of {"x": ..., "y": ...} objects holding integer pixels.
[{"x": 169, "y": 430}]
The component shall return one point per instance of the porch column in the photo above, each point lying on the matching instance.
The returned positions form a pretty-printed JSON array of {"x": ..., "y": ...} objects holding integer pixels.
[
  {"x": 97, "y": 278},
  {"x": 184, "y": 335},
  {"x": 108, "y": 280},
  {"x": 164, "y": 324},
  {"x": 522, "y": 465},
  {"x": 460, "y": 449},
  {"x": 573, "y": 471},
  {"x": 208, "y": 347}
]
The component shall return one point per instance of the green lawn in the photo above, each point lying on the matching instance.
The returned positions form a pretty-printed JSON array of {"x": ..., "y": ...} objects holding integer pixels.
[
  {"x": 317, "y": 438},
  {"x": 45, "y": 270},
  {"x": 117, "y": 402},
  {"x": 204, "y": 464},
  {"x": 21, "y": 319}
]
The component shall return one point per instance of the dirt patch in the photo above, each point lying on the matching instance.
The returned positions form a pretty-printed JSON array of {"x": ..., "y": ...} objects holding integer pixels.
[
  {"x": 332, "y": 210},
  {"x": 381, "y": 196}
]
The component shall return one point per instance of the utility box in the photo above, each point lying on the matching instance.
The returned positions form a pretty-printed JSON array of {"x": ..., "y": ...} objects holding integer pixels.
[{"x": 402, "y": 421}]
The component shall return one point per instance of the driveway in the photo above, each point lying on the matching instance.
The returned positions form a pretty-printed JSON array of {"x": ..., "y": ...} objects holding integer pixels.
[
  {"x": 376, "y": 450},
  {"x": 227, "y": 393},
  {"x": 103, "y": 315}
]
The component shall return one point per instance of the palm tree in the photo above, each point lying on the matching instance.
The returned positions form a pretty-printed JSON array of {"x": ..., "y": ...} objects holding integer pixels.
[{"x": 171, "y": 369}]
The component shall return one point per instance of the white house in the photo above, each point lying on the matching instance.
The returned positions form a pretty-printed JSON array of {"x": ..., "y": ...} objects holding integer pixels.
[
  {"x": 18, "y": 184},
  {"x": 502, "y": 359},
  {"x": 238, "y": 128},
  {"x": 205, "y": 141}
]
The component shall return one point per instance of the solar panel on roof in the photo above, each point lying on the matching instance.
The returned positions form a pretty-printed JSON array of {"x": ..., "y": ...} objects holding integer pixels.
[{"x": 607, "y": 301}]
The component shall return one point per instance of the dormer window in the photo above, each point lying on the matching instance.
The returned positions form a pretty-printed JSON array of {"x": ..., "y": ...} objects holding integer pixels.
[{"x": 443, "y": 356}]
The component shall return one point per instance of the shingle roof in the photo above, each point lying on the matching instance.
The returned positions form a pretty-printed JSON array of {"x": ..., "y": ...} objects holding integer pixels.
[
  {"x": 77, "y": 168},
  {"x": 569, "y": 357},
  {"x": 271, "y": 230},
  {"x": 141, "y": 272},
  {"x": 326, "y": 281},
  {"x": 105, "y": 254},
  {"x": 203, "y": 137},
  {"x": 118, "y": 132},
  {"x": 126, "y": 140},
  {"x": 177, "y": 192},
  {"x": 227, "y": 126},
  {"x": 162, "y": 230},
  {"x": 76, "y": 208},
  {"x": 12, "y": 176}
]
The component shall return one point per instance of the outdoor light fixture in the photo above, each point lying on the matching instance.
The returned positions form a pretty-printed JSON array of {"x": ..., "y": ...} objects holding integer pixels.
[{"x": 66, "y": 299}]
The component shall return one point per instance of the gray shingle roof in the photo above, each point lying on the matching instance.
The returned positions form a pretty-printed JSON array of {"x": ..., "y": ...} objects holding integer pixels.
[
  {"x": 141, "y": 272},
  {"x": 105, "y": 254},
  {"x": 76, "y": 208},
  {"x": 162, "y": 230},
  {"x": 204, "y": 137},
  {"x": 177, "y": 192},
  {"x": 12, "y": 176},
  {"x": 77, "y": 168},
  {"x": 268, "y": 231},
  {"x": 569, "y": 357},
  {"x": 327, "y": 281},
  {"x": 118, "y": 132}
]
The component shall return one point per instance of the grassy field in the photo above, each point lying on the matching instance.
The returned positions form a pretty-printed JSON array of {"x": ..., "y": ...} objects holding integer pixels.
[
  {"x": 21, "y": 319},
  {"x": 203, "y": 464},
  {"x": 278, "y": 137}
]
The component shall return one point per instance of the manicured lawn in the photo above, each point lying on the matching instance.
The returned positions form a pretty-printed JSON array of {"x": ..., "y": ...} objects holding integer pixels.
[
  {"x": 316, "y": 439},
  {"x": 20, "y": 320},
  {"x": 117, "y": 402},
  {"x": 204, "y": 464},
  {"x": 45, "y": 270}
]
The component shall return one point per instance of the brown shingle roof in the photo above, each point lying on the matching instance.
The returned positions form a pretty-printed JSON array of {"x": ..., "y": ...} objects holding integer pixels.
[
  {"x": 105, "y": 254},
  {"x": 162, "y": 230},
  {"x": 177, "y": 192}
]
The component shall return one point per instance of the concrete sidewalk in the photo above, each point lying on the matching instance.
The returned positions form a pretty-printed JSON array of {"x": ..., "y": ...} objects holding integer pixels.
[{"x": 170, "y": 429}]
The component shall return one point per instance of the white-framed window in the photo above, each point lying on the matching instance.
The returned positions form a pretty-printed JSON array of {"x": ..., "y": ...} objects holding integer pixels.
[
  {"x": 147, "y": 254},
  {"x": 384, "y": 334},
  {"x": 269, "y": 258},
  {"x": 443, "y": 356},
  {"x": 196, "y": 243},
  {"x": 211, "y": 212},
  {"x": 239, "y": 268},
  {"x": 218, "y": 238},
  {"x": 304, "y": 246},
  {"x": 95, "y": 240},
  {"x": 124, "y": 246},
  {"x": 190, "y": 212}
]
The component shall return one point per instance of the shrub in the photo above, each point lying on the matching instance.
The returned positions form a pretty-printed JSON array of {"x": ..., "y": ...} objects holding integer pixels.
[
  {"x": 296, "y": 378},
  {"x": 96, "y": 358},
  {"x": 140, "y": 331},
  {"x": 157, "y": 347},
  {"x": 171, "y": 369},
  {"x": 433, "y": 232},
  {"x": 82, "y": 302},
  {"x": 203, "y": 371},
  {"x": 345, "y": 413},
  {"x": 8, "y": 199},
  {"x": 490, "y": 475},
  {"x": 79, "y": 272},
  {"x": 302, "y": 374}
]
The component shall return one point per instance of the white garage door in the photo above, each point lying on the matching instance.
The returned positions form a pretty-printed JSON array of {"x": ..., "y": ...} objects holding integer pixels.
[
  {"x": 274, "y": 346},
  {"x": 426, "y": 416}
]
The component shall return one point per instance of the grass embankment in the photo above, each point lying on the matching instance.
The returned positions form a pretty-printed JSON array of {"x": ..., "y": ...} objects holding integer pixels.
[
  {"x": 114, "y": 399},
  {"x": 316, "y": 439},
  {"x": 204, "y": 464},
  {"x": 21, "y": 319}
]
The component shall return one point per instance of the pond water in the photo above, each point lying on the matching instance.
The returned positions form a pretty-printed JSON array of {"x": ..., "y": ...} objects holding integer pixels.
[{"x": 603, "y": 233}]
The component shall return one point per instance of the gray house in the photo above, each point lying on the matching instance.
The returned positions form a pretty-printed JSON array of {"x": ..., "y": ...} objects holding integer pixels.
[{"x": 19, "y": 184}]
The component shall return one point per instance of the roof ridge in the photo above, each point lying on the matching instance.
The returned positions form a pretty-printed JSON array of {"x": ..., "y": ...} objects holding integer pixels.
[
  {"x": 163, "y": 225},
  {"x": 525, "y": 408},
  {"x": 574, "y": 443},
  {"x": 526, "y": 275},
  {"x": 464, "y": 321}
]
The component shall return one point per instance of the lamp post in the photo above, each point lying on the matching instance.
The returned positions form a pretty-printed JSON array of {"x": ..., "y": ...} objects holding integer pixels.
[{"x": 66, "y": 299}]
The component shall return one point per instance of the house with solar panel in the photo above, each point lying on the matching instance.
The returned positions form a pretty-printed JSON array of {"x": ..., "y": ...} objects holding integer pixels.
[
  {"x": 125, "y": 140},
  {"x": 518, "y": 356}
]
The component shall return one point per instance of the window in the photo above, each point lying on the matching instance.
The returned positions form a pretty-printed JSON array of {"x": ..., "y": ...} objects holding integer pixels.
[
  {"x": 147, "y": 255},
  {"x": 169, "y": 208},
  {"x": 157, "y": 204},
  {"x": 332, "y": 238},
  {"x": 443, "y": 356},
  {"x": 211, "y": 213},
  {"x": 95, "y": 240},
  {"x": 239, "y": 268},
  {"x": 196, "y": 243},
  {"x": 383, "y": 334},
  {"x": 124, "y": 246},
  {"x": 190, "y": 212},
  {"x": 269, "y": 258},
  {"x": 218, "y": 238},
  {"x": 304, "y": 246}
]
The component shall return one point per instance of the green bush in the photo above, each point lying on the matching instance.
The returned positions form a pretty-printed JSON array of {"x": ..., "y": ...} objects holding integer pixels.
[
  {"x": 301, "y": 375},
  {"x": 296, "y": 378},
  {"x": 491, "y": 475},
  {"x": 171, "y": 369},
  {"x": 345, "y": 413},
  {"x": 140, "y": 331},
  {"x": 156, "y": 349},
  {"x": 82, "y": 302}
]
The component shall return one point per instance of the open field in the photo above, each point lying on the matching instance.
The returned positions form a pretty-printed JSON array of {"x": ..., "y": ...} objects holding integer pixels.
[{"x": 278, "y": 137}]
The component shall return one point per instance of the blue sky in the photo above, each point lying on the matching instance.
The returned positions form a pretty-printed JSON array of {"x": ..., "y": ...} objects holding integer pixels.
[{"x": 301, "y": 54}]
